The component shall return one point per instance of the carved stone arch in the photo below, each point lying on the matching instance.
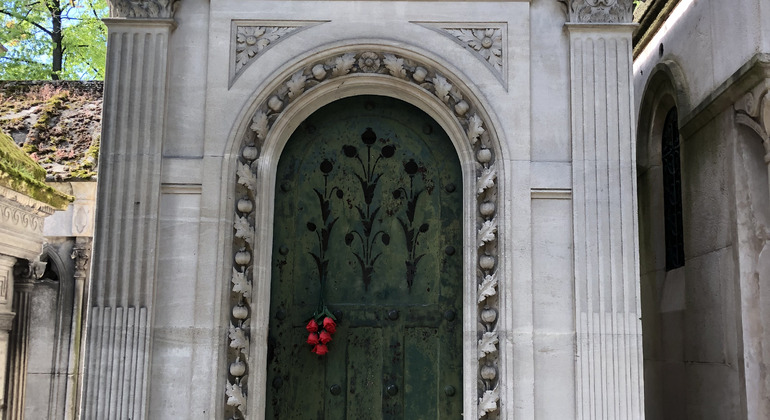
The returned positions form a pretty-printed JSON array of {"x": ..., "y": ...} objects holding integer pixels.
[
  {"x": 665, "y": 89},
  {"x": 276, "y": 111}
]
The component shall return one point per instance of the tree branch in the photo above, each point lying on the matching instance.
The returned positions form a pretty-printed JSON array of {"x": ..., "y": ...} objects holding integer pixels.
[{"x": 22, "y": 18}]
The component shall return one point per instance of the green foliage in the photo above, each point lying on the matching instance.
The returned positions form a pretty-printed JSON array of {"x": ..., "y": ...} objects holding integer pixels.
[{"x": 36, "y": 48}]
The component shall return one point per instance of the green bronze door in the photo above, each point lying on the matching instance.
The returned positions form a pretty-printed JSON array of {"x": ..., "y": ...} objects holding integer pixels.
[{"x": 367, "y": 230}]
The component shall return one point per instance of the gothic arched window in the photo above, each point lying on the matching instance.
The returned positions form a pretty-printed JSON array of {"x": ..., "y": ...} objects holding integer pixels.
[{"x": 672, "y": 192}]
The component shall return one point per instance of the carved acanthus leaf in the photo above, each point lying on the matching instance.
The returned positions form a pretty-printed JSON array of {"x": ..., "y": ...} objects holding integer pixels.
[
  {"x": 153, "y": 9},
  {"x": 395, "y": 66},
  {"x": 259, "y": 124},
  {"x": 488, "y": 287},
  {"x": 296, "y": 84},
  {"x": 442, "y": 87},
  {"x": 487, "y": 179},
  {"x": 241, "y": 284},
  {"x": 244, "y": 230},
  {"x": 246, "y": 177},
  {"x": 236, "y": 397},
  {"x": 488, "y": 402},
  {"x": 488, "y": 344},
  {"x": 475, "y": 128},
  {"x": 599, "y": 11},
  {"x": 487, "y": 232},
  {"x": 342, "y": 64},
  {"x": 238, "y": 338}
]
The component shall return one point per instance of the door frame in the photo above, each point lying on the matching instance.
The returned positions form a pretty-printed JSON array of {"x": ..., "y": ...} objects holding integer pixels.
[{"x": 484, "y": 234}]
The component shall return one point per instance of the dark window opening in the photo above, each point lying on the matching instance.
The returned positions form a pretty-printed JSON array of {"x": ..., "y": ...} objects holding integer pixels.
[{"x": 672, "y": 192}]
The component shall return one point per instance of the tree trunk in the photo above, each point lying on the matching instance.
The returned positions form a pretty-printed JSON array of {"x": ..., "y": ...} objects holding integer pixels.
[{"x": 56, "y": 38}]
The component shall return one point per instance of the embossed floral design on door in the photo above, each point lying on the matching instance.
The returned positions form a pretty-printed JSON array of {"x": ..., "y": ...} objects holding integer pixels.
[{"x": 368, "y": 216}]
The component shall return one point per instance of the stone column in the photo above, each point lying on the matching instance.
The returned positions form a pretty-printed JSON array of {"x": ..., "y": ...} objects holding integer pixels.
[
  {"x": 753, "y": 111},
  {"x": 6, "y": 321},
  {"x": 124, "y": 255},
  {"x": 608, "y": 362},
  {"x": 19, "y": 340}
]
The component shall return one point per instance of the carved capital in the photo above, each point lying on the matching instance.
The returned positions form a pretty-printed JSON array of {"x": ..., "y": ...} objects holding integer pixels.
[
  {"x": 753, "y": 111},
  {"x": 143, "y": 9},
  {"x": 599, "y": 11}
]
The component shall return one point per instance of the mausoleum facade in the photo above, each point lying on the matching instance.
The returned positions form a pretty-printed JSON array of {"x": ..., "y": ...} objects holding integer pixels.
[{"x": 452, "y": 183}]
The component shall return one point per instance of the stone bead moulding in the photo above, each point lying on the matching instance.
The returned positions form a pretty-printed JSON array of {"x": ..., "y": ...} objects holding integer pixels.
[
  {"x": 421, "y": 75},
  {"x": 249, "y": 39},
  {"x": 487, "y": 41}
]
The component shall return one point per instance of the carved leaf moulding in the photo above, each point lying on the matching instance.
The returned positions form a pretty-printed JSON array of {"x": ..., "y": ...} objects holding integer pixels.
[
  {"x": 487, "y": 41},
  {"x": 599, "y": 11},
  {"x": 143, "y": 9},
  {"x": 250, "y": 39},
  {"x": 457, "y": 101}
]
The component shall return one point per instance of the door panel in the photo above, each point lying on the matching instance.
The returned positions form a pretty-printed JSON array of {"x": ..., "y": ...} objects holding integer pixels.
[{"x": 368, "y": 220}]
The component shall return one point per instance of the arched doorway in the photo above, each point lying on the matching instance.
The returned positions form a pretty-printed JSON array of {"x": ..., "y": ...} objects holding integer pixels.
[{"x": 367, "y": 225}]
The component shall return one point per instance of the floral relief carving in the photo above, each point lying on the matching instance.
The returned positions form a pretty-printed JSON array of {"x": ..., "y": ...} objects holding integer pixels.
[
  {"x": 252, "y": 39},
  {"x": 487, "y": 41},
  {"x": 163, "y": 9},
  {"x": 377, "y": 64},
  {"x": 599, "y": 11}
]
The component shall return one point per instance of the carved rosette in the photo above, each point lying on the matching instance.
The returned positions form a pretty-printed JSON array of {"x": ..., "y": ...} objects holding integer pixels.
[
  {"x": 599, "y": 11},
  {"x": 143, "y": 9},
  {"x": 379, "y": 64}
]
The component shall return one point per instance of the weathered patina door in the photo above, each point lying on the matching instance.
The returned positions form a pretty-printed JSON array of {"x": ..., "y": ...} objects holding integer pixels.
[{"x": 368, "y": 226}]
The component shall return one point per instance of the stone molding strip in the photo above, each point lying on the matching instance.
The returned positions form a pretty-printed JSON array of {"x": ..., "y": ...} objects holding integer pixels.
[
  {"x": 487, "y": 41},
  {"x": 375, "y": 62},
  {"x": 249, "y": 39}
]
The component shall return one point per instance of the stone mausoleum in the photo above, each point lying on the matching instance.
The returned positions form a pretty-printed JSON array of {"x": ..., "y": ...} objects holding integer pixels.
[
  {"x": 429, "y": 210},
  {"x": 452, "y": 182}
]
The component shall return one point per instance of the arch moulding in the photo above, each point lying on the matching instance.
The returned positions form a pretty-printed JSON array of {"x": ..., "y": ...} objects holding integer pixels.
[{"x": 276, "y": 111}]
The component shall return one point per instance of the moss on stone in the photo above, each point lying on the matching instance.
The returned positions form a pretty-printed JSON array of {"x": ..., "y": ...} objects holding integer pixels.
[{"x": 21, "y": 174}]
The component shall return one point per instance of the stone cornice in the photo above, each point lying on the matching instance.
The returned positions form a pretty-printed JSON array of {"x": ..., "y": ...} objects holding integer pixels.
[
  {"x": 599, "y": 11},
  {"x": 143, "y": 9},
  {"x": 30, "y": 205},
  {"x": 755, "y": 71}
]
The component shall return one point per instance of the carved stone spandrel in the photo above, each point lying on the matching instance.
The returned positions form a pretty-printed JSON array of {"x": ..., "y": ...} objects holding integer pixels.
[
  {"x": 250, "y": 39},
  {"x": 487, "y": 41}
]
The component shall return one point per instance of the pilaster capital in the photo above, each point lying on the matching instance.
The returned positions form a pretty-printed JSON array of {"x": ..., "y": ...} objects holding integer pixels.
[
  {"x": 143, "y": 9},
  {"x": 599, "y": 11},
  {"x": 753, "y": 111}
]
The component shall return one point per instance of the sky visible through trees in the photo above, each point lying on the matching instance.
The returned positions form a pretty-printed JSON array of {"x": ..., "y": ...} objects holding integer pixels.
[{"x": 53, "y": 39}]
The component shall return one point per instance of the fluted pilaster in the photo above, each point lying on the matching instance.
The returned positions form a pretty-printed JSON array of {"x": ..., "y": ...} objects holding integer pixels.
[
  {"x": 607, "y": 309},
  {"x": 123, "y": 273}
]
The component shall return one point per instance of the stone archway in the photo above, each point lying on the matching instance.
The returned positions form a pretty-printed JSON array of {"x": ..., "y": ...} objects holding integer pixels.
[{"x": 300, "y": 90}]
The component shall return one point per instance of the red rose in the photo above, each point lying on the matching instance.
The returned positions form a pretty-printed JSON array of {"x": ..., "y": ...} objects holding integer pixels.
[
  {"x": 312, "y": 339},
  {"x": 320, "y": 349},
  {"x": 312, "y": 326},
  {"x": 325, "y": 337},
  {"x": 330, "y": 325}
]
